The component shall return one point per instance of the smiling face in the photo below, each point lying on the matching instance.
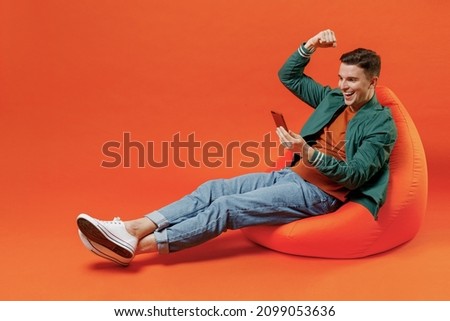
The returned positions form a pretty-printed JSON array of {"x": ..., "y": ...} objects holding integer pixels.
[{"x": 357, "y": 87}]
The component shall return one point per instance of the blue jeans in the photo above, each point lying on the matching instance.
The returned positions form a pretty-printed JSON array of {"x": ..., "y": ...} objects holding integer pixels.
[{"x": 278, "y": 197}]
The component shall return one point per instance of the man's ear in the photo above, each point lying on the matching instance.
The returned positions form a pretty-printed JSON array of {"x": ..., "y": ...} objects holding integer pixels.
[{"x": 373, "y": 82}]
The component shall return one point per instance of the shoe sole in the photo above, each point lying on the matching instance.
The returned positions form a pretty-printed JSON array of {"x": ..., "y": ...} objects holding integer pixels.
[
  {"x": 99, "y": 250},
  {"x": 98, "y": 234}
]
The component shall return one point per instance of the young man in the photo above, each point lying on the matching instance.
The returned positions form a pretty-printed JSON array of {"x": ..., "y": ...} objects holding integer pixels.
[{"x": 341, "y": 153}]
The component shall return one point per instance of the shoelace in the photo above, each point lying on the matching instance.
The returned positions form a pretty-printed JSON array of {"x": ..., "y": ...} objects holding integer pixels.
[{"x": 116, "y": 220}]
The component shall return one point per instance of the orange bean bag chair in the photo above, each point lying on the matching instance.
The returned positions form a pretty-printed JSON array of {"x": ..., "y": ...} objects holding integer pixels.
[{"x": 351, "y": 231}]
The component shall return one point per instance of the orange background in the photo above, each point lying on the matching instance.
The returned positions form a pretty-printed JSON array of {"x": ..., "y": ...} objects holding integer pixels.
[{"x": 76, "y": 74}]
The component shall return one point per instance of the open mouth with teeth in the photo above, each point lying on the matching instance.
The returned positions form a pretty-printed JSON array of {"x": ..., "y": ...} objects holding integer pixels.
[{"x": 349, "y": 95}]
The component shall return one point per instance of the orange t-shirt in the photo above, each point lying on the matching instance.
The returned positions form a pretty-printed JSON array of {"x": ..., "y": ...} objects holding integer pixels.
[{"x": 331, "y": 142}]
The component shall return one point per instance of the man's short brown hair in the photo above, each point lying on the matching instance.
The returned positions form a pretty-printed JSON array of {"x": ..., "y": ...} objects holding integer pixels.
[{"x": 366, "y": 59}]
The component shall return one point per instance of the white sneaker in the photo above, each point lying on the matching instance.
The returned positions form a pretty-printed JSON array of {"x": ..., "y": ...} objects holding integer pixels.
[
  {"x": 111, "y": 235},
  {"x": 102, "y": 251}
]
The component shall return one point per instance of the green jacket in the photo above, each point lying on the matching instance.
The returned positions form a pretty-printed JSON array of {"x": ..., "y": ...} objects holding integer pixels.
[{"x": 370, "y": 136}]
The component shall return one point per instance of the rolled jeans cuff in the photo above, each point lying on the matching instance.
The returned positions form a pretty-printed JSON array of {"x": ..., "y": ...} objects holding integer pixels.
[
  {"x": 162, "y": 240},
  {"x": 159, "y": 219}
]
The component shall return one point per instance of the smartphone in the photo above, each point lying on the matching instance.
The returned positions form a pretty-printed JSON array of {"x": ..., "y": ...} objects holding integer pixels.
[{"x": 279, "y": 120}]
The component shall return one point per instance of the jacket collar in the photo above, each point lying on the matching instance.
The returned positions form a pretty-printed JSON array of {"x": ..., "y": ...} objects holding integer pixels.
[
  {"x": 323, "y": 116},
  {"x": 371, "y": 104}
]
